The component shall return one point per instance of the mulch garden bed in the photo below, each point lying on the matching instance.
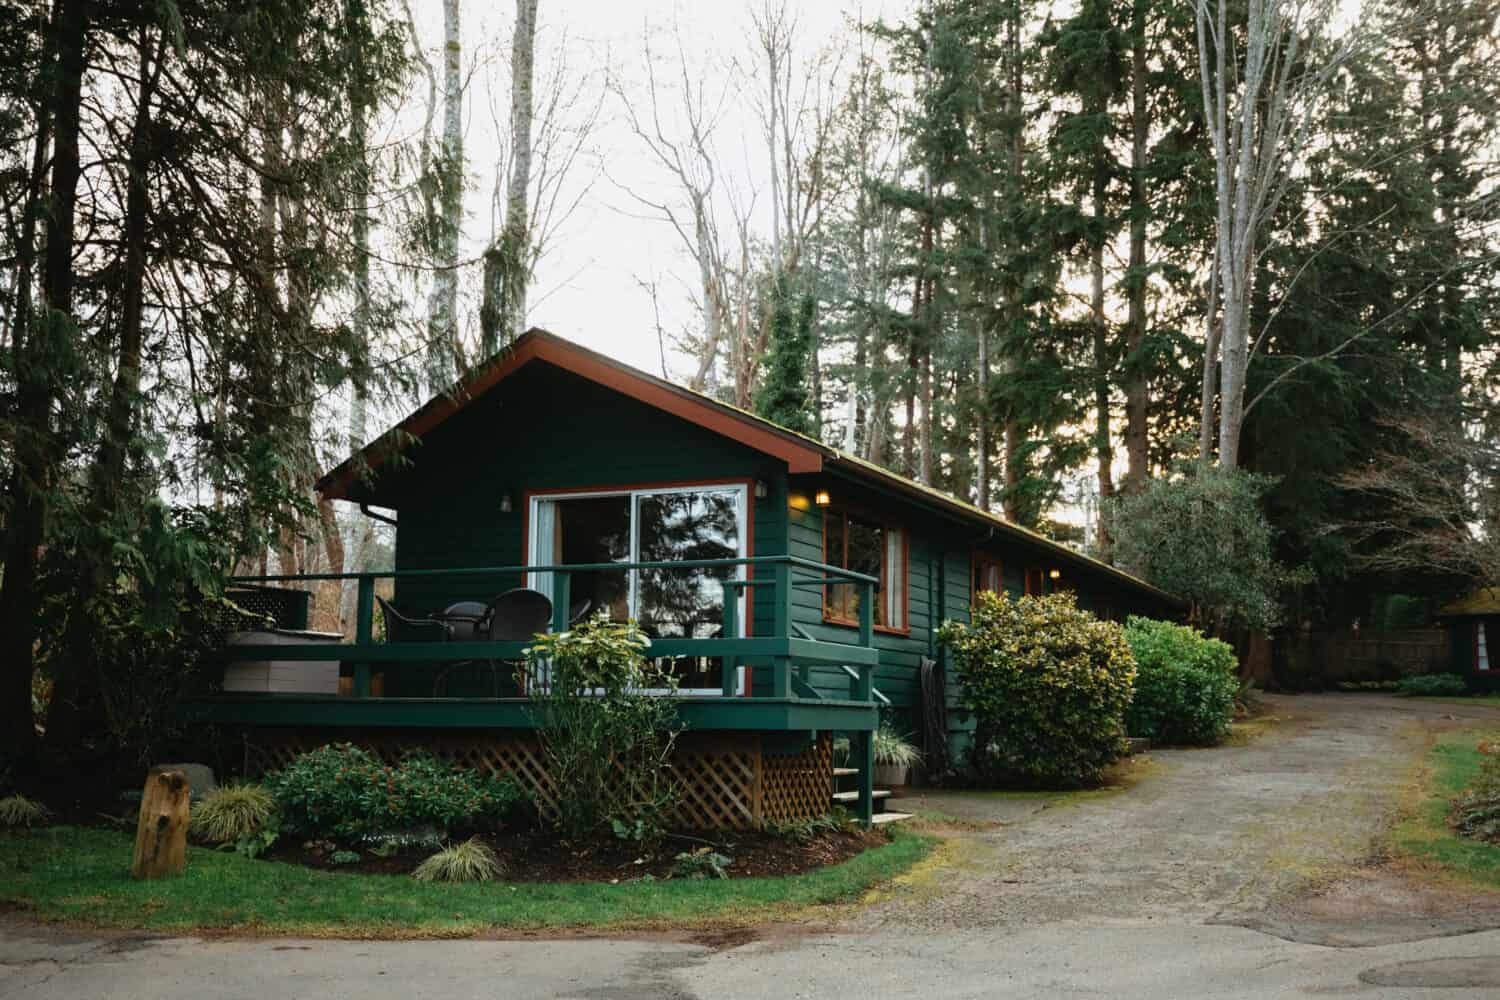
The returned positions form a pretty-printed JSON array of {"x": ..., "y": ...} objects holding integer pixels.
[{"x": 538, "y": 856}]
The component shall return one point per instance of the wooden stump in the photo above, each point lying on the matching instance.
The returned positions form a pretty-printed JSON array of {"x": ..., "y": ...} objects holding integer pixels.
[{"x": 161, "y": 831}]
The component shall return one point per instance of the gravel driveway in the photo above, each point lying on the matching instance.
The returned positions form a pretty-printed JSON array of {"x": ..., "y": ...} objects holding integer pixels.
[{"x": 1241, "y": 871}]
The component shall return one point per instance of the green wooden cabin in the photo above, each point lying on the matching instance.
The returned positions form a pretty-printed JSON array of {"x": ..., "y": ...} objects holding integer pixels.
[
  {"x": 1473, "y": 624},
  {"x": 794, "y": 589}
]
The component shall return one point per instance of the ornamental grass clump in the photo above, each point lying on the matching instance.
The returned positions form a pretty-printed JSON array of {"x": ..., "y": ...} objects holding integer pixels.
[
  {"x": 471, "y": 861},
  {"x": 231, "y": 813},
  {"x": 18, "y": 811},
  {"x": 1047, "y": 684},
  {"x": 1185, "y": 684}
]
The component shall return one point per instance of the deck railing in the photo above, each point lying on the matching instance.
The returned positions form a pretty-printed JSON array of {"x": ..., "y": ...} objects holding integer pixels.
[{"x": 785, "y": 649}]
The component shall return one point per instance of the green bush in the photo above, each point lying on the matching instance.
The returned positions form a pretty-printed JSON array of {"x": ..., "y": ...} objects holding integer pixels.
[
  {"x": 345, "y": 793},
  {"x": 608, "y": 742},
  {"x": 1048, "y": 685},
  {"x": 1477, "y": 812},
  {"x": 1185, "y": 684},
  {"x": 1441, "y": 685}
]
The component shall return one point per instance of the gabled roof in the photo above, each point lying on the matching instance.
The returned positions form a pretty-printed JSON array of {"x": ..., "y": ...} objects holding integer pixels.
[
  {"x": 1483, "y": 602},
  {"x": 802, "y": 454}
]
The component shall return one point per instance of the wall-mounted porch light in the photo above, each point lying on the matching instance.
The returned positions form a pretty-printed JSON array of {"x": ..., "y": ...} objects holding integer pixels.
[
  {"x": 822, "y": 499},
  {"x": 506, "y": 503},
  {"x": 761, "y": 489},
  {"x": 1054, "y": 574}
]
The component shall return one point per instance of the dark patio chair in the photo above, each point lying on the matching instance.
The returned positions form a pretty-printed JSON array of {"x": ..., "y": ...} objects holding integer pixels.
[
  {"x": 399, "y": 628},
  {"x": 467, "y": 620},
  {"x": 514, "y": 616},
  {"x": 519, "y": 614}
]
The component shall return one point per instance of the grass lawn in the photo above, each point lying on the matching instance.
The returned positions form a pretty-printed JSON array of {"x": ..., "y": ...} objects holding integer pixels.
[
  {"x": 1451, "y": 766},
  {"x": 77, "y": 875}
]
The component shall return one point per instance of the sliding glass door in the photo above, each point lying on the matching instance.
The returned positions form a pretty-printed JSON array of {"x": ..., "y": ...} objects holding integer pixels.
[{"x": 668, "y": 524}]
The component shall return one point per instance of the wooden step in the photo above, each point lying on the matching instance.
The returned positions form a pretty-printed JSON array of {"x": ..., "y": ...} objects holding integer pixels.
[
  {"x": 879, "y": 793},
  {"x": 879, "y": 819},
  {"x": 844, "y": 772}
]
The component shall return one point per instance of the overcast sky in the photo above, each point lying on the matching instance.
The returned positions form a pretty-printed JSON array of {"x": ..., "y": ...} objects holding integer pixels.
[{"x": 587, "y": 286}]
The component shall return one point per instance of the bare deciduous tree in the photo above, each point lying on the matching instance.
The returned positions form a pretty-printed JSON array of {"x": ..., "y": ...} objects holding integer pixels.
[
  {"x": 1434, "y": 501},
  {"x": 1262, "y": 82}
]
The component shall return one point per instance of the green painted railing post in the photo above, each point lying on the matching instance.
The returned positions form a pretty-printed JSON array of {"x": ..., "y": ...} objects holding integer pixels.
[
  {"x": 867, "y": 614},
  {"x": 562, "y": 600},
  {"x": 731, "y": 631},
  {"x": 781, "y": 628},
  {"x": 364, "y": 631},
  {"x": 863, "y": 750}
]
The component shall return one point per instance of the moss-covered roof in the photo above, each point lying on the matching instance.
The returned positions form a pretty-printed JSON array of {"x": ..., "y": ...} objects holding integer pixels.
[{"x": 1482, "y": 602}]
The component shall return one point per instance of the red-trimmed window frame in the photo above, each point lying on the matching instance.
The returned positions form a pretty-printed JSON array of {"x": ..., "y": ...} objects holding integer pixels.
[
  {"x": 1038, "y": 574},
  {"x": 829, "y": 617},
  {"x": 980, "y": 567}
]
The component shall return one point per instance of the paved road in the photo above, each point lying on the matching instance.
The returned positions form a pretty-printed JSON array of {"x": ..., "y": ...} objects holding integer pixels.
[{"x": 1192, "y": 883}]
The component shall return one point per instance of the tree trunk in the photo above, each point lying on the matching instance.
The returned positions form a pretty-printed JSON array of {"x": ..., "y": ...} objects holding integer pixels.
[
  {"x": 76, "y": 685},
  {"x": 1103, "y": 443},
  {"x": 443, "y": 348},
  {"x": 34, "y": 462},
  {"x": 1136, "y": 384},
  {"x": 161, "y": 828},
  {"x": 507, "y": 265}
]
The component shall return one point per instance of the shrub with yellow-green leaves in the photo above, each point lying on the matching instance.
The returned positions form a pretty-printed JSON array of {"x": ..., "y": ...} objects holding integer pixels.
[{"x": 1048, "y": 685}]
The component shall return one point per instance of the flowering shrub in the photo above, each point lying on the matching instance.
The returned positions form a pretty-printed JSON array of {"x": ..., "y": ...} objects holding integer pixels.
[
  {"x": 345, "y": 793},
  {"x": 1048, "y": 685},
  {"x": 1185, "y": 684}
]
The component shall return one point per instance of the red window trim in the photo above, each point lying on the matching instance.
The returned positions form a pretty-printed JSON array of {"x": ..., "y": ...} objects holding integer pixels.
[
  {"x": 979, "y": 561},
  {"x": 829, "y": 617}
]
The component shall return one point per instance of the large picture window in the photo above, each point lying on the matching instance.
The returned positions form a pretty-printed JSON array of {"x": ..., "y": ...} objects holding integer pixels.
[
  {"x": 865, "y": 545},
  {"x": 668, "y": 524}
]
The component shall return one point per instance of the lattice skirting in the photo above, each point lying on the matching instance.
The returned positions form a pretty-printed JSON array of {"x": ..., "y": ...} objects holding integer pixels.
[{"x": 728, "y": 780}]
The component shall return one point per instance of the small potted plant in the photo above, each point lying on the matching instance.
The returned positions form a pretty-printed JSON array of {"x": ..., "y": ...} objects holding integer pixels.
[{"x": 894, "y": 756}]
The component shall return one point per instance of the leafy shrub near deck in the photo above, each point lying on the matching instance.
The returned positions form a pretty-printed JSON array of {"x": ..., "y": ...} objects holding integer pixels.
[
  {"x": 1185, "y": 684},
  {"x": 345, "y": 793},
  {"x": 1432, "y": 685},
  {"x": 607, "y": 739},
  {"x": 1048, "y": 685}
]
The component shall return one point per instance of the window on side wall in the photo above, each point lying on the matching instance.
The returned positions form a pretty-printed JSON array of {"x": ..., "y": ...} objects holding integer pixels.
[
  {"x": 989, "y": 577},
  {"x": 1036, "y": 581},
  {"x": 865, "y": 545},
  {"x": 1481, "y": 647}
]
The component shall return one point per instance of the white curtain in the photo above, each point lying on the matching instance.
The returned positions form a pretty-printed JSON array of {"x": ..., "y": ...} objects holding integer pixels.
[
  {"x": 545, "y": 550},
  {"x": 895, "y": 579}
]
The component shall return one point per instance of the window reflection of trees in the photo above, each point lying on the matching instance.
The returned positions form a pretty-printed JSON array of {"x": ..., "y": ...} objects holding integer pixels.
[{"x": 686, "y": 603}]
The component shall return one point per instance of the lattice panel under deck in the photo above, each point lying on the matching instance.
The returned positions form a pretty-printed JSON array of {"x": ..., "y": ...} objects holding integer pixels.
[
  {"x": 794, "y": 786},
  {"x": 718, "y": 788},
  {"x": 726, "y": 784}
]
